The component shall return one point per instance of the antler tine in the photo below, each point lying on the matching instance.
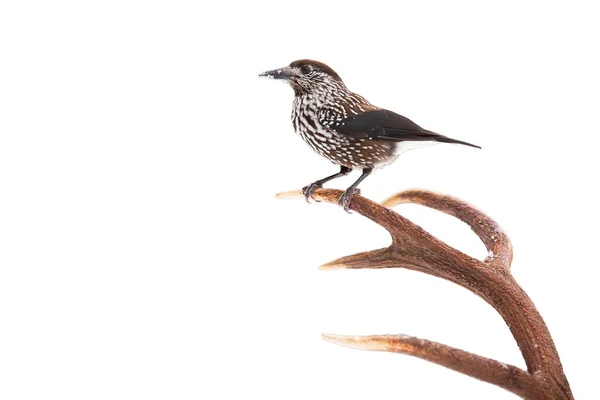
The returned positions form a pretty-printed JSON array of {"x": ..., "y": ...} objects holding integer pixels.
[
  {"x": 370, "y": 209},
  {"x": 506, "y": 376},
  {"x": 497, "y": 243}
]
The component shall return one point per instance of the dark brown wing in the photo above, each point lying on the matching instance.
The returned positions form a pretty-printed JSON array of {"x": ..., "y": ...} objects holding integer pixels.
[{"x": 387, "y": 125}]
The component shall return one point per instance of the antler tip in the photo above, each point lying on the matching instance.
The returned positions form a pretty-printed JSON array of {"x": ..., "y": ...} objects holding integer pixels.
[
  {"x": 291, "y": 194},
  {"x": 374, "y": 343},
  {"x": 330, "y": 266},
  {"x": 342, "y": 340},
  {"x": 394, "y": 200}
]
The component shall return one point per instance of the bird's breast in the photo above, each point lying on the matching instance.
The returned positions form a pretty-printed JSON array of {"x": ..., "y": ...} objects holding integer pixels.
[
  {"x": 338, "y": 148},
  {"x": 318, "y": 136}
]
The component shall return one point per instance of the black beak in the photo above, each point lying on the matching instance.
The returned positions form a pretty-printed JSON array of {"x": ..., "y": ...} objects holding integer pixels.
[{"x": 280, "y": 73}]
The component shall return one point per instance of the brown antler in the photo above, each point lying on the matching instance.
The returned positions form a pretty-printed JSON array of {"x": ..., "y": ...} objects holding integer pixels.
[{"x": 414, "y": 248}]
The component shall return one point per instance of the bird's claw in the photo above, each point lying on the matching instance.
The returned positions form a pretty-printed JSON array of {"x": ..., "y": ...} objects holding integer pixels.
[
  {"x": 309, "y": 190},
  {"x": 346, "y": 198}
]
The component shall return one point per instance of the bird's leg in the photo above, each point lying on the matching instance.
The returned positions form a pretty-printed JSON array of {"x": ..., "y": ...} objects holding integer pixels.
[
  {"x": 346, "y": 197},
  {"x": 308, "y": 191}
]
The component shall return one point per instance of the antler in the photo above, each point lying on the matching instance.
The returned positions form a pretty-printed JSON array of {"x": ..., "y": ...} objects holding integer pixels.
[{"x": 414, "y": 248}]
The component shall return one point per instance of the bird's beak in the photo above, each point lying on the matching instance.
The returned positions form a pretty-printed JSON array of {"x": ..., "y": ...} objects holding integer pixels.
[{"x": 281, "y": 73}]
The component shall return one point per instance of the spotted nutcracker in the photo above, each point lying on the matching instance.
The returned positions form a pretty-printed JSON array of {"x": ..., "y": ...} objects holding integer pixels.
[{"x": 344, "y": 127}]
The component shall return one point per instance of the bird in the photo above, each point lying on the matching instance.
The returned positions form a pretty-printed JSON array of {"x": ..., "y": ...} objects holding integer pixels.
[{"x": 344, "y": 127}]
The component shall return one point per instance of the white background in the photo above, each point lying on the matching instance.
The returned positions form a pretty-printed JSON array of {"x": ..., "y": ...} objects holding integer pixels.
[{"x": 143, "y": 254}]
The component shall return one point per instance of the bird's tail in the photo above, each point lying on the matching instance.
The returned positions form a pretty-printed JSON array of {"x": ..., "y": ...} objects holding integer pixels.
[{"x": 445, "y": 139}]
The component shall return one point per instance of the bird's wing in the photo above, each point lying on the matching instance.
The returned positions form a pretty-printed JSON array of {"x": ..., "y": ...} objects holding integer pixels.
[{"x": 386, "y": 125}]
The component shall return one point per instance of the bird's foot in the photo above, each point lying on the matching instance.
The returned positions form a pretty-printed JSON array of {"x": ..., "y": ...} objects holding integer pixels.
[
  {"x": 346, "y": 198},
  {"x": 309, "y": 190}
]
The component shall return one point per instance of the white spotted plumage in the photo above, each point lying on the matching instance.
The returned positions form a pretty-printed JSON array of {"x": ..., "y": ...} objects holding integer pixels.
[{"x": 315, "y": 115}]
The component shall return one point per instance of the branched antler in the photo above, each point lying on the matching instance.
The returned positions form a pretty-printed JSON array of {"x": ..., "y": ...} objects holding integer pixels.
[{"x": 414, "y": 248}]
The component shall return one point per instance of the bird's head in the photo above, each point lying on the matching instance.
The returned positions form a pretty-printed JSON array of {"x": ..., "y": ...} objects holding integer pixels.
[{"x": 307, "y": 76}]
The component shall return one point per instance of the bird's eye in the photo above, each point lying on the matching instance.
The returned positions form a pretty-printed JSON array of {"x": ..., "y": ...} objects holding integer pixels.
[{"x": 306, "y": 69}]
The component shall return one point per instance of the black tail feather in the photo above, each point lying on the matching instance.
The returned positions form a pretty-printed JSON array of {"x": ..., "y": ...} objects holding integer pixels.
[{"x": 445, "y": 139}]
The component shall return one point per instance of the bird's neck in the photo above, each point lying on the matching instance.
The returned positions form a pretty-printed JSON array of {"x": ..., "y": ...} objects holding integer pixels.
[
  {"x": 334, "y": 92},
  {"x": 333, "y": 96}
]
